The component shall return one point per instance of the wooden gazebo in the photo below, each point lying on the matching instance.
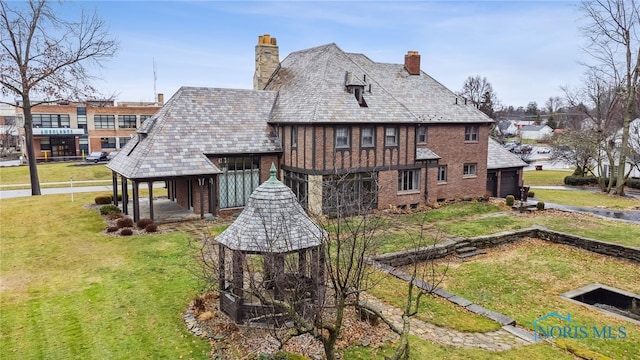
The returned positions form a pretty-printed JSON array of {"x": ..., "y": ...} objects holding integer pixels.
[{"x": 272, "y": 252}]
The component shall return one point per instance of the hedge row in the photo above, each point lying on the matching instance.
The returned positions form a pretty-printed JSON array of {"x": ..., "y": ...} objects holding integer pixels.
[{"x": 575, "y": 180}]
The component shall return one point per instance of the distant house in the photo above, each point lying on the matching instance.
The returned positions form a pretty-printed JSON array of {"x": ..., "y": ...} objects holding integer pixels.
[
  {"x": 507, "y": 128},
  {"x": 322, "y": 113},
  {"x": 633, "y": 158},
  {"x": 522, "y": 123},
  {"x": 536, "y": 132},
  {"x": 504, "y": 171}
]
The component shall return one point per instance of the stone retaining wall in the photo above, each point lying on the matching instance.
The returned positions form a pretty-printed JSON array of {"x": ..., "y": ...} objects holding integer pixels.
[{"x": 448, "y": 247}]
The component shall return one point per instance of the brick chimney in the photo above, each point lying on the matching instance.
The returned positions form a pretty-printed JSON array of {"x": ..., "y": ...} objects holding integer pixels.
[
  {"x": 267, "y": 60},
  {"x": 160, "y": 99},
  {"x": 412, "y": 62}
]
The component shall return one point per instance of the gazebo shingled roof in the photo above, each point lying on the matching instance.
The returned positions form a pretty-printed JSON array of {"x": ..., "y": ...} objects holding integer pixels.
[{"x": 272, "y": 222}]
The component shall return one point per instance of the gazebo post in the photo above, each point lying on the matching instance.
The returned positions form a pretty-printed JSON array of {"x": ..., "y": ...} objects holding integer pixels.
[
  {"x": 238, "y": 278},
  {"x": 278, "y": 274},
  {"x": 302, "y": 262},
  {"x": 125, "y": 195},
  {"x": 221, "y": 265},
  {"x": 114, "y": 186},
  {"x": 136, "y": 201},
  {"x": 150, "y": 187}
]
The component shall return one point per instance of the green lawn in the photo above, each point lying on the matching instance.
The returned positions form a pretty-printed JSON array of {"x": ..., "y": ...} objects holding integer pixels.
[
  {"x": 546, "y": 177},
  {"x": 525, "y": 282},
  {"x": 70, "y": 292},
  {"x": 586, "y": 199},
  {"x": 54, "y": 172}
]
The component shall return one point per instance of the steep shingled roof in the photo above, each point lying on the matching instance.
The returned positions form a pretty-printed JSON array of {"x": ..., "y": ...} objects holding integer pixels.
[
  {"x": 312, "y": 85},
  {"x": 499, "y": 158},
  {"x": 196, "y": 122}
]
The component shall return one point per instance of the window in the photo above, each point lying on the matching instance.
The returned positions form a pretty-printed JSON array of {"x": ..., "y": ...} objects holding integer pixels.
[
  {"x": 51, "y": 121},
  {"x": 144, "y": 117},
  {"x": 342, "y": 137},
  {"x": 390, "y": 137},
  {"x": 294, "y": 136},
  {"x": 471, "y": 133},
  {"x": 45, "y": 144},
  {"x": 127, "y": 121},
  {"x": 422, "y": 135},
  {"x": 442, "y": 174},
  {"x": 469, "y": 170},
  {"x": 366, "y": 137},
  {"x": 408, "y": 180},
  {"x": 108, "y": 143},
  {"x": 104, "y": 121},
  {"x": 124, "y": 140}
]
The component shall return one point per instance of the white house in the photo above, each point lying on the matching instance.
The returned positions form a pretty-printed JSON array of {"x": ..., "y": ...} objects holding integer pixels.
[
  {"x": 536, "y": 132},
  {"x": 633, "y": 159}
]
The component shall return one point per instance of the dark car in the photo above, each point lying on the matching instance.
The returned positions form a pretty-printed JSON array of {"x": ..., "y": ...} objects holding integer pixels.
[{"x": 97, "y": 156}]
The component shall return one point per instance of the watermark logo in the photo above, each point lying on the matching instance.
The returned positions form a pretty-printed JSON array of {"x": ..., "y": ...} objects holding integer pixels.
[{"x": 570, "y": 330}]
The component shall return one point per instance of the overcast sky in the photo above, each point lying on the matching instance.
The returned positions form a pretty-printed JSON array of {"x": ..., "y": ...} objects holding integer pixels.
[{"x": 526, "y": 49}]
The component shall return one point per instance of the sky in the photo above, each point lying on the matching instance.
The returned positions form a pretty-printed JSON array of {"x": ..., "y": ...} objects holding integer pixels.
[{"x": 527, "y": 50}]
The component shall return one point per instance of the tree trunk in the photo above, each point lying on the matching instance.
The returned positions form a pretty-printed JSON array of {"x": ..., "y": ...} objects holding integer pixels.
[{"x": 31, "y": 155}]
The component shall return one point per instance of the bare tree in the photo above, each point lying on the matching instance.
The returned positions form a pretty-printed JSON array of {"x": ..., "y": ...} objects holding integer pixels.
[
  {"x": 593, "y": 139},
  {"x": 45, "y": 56},
  {"x": 480, "y": 92},
  {"x": 612, "y": 30}
]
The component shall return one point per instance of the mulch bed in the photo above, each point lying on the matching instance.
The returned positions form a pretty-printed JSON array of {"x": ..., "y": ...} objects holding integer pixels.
[{"x": 231, "y": 341}]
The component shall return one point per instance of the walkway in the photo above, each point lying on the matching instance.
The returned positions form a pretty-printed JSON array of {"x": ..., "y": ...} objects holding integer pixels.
[{"x": 499, "y": 340}]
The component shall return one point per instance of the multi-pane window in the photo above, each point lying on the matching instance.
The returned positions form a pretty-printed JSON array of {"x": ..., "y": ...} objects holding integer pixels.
[
  {"x": 390, "y": 136},
  {"x": 104, "y": 121},
  {"x": 342, "y": 137},
  {"x": 108, "y": 143},
  {"x": 469, "y": 169},
  {"x": 294, "y": 136},
  {"x": 442, "y": 174},
  {"x": 51, "y": 120},
  {"x": 127, "y": 121},
  {"x": 45, "y": 144},
  {"x": 81, "y": 113},
  {"x": 144, "y": 117},
  {"x": 124, "y": 140},
  {"x": 422, "y": 135},
  {"x": 408, "y": 180},
  {"x": 366, "y": 137},
  {"x": 471, "y": 133}
]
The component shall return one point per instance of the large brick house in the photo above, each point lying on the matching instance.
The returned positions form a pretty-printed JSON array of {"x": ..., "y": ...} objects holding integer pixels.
[{"x": 319, "y": 114}]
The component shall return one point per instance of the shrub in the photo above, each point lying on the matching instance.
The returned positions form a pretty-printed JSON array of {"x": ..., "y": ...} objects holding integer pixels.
[
  {"x": 124, "y": 222},
  {"x": 109, "y": 209},
  {"x": 151, "y": 228},
  {"x": 111, "y": 229},
  {"x": 531, "y": 194},
  {"x": 580, "y": 180},
  {"x": 540, "y": 205},
  {"x": 103, "y": 199},
  {"x": 126, "y": 232},
  {"x": 142, "y": 223},
  {"x": 633, "y": 183},
  {"x": 510, "y": 199}
]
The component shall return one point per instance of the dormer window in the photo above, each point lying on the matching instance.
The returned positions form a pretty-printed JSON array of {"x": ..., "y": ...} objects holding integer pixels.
[{"x": 356, "y": 86}]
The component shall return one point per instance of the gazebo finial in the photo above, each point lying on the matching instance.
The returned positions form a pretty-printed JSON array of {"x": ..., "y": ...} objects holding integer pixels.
[{"x": 272, "y": 173}]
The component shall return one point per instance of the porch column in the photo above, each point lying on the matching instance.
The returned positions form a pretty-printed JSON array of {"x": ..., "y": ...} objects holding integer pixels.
[
  {"x": 136, "y": 201},
  {"x": 201, "y": 188},
  {"x": 114, "y": 186},
  {"x": 150, "y": 186},
  {"x": 314, "y": 194}
]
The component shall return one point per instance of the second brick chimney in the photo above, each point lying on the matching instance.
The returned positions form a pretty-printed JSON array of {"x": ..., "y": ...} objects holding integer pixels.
[{"x": 412, "y": 62}]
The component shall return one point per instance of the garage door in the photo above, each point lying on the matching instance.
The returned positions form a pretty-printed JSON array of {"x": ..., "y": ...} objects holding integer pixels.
[{"x": 509, "y": 183}]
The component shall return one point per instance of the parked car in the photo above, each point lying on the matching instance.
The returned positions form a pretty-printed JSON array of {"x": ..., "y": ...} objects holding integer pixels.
[
  {"x": 97, "y": 156},
  {"x": 544, "y": 150},
  {"x": 112, "y": 155}
]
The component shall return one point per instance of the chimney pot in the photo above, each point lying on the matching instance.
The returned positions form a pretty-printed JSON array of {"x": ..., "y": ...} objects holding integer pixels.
[{"x": 412, "y": 62}]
